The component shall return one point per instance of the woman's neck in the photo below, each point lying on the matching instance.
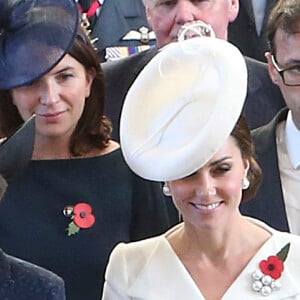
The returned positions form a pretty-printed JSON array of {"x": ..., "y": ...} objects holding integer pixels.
[
  {"x": 218, "y": 244},
  {"x": 51, "y": 150},
  {"x": 59, "y": 149}
]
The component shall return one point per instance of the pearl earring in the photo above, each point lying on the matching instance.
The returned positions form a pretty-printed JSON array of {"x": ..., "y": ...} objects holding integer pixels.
[
  {"x": 245, "y": 183},
  {"x": 166, "y": 190}
]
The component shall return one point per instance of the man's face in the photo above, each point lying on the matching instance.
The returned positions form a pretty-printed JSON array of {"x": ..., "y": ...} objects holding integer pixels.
[
  {"x": 287, "y": 56},
  {"x": 167, "y": 16}
]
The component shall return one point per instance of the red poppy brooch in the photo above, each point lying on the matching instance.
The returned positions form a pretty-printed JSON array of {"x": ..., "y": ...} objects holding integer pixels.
[
  {"x": 81, "y": 215},
  {"x": 265, "y": 279}
]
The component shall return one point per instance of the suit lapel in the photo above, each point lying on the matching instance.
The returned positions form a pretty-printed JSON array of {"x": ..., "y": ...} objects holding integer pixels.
[
  {"x": 270, "y": 193},
  {"x": 247, "y": 5},
  {"x": 163, "y": 276},
  {"x": 154, "y": 280},
  {"x": 254, "y": 82},
  {"x": 243, "y": 284}
]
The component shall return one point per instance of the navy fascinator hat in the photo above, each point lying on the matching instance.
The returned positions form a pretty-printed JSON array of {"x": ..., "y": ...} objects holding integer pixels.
[{"x": 34, "y": 37}]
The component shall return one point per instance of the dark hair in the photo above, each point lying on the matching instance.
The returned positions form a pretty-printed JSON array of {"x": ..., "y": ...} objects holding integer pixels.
[
  {"x": 285, "y": 15},
  {"x": 242, "y": 135},
  {"x": 93, "y": 129}
]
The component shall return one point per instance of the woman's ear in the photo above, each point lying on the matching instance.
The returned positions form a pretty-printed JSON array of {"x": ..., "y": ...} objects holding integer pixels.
[
  {"x": 246, "y": 166},
  {"x": 90, "y": 75}
]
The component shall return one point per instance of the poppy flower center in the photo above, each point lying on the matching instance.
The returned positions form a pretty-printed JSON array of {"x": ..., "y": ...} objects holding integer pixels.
[
  {"x": 271, "y": 267},
  {"x": 83, "y": 214}
]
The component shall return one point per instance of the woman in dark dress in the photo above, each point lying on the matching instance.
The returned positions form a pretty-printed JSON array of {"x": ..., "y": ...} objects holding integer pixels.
[
  {"x": 77, "y": 199},
  {"x": 21, "y": 280}
]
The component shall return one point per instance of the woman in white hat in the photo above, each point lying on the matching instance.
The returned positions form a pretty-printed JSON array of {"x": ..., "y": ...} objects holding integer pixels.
[
  {"x": 77, "y": 199},
  {"x": 191, "y": 136}
]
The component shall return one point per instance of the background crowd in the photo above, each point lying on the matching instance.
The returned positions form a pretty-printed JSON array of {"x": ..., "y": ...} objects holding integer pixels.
[{"x": 79, "y": 196}]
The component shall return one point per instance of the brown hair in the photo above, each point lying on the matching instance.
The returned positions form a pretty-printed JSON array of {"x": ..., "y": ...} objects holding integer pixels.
[
  {"x": 93, "y": 129},
  {"x": 285, "y": 15},
  {"x": 242, "y": 135}
]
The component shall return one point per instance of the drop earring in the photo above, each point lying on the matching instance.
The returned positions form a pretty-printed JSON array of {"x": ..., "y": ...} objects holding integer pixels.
[
  {"x": 166, "y": 190},
  {"x": 245, "y": 183}
]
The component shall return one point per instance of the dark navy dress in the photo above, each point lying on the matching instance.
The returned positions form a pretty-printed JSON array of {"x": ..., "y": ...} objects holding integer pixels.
[{"x": 33, "y": 226}]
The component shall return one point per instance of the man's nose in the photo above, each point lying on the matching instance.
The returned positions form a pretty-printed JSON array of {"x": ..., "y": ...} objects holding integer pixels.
[{"x": 185, "y": 12}]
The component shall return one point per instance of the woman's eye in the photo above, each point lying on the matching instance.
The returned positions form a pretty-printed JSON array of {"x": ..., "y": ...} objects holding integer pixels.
[
  {"x": 65, "y": 76},
  {"x": 222, "y": 169}
]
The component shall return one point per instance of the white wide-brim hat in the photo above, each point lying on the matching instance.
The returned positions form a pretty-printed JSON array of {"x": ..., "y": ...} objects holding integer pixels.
[{"x": 182, "y": 107}]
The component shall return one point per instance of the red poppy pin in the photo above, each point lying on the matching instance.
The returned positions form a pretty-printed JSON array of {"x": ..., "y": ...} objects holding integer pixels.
[
  {"x": 270, "y": 269},
  {"x": 81, "y": 215}
]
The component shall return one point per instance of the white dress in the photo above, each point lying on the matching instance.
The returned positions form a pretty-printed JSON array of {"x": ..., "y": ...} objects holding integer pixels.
[{"x": 151, "y": 270}]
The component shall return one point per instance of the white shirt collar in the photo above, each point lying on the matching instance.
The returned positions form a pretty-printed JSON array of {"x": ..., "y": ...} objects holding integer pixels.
[{"x": 292, "y": 141}]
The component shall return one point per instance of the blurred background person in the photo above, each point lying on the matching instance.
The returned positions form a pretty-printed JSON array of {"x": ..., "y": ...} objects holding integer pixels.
[
  {"x": 248, "y": 31},
  {"x": 277, "y": 143},
  {"x": 77, "y": 198},
  {"x": 120, "y": 27},
  {"x": 208, "y": 167},
  {"x": 167, "y": 18}
]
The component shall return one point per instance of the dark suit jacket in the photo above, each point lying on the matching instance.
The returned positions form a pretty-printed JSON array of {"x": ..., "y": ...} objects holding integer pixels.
[
  {"x": 242, "y": 32},
  {"x": 263, "y": 100},
  {"x": 115, "y": 20},
  {"x": 268, "y": 204},
  {"x": 20, "y": 280}
]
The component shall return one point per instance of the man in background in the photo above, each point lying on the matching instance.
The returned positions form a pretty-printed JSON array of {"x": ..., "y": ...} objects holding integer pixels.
[
  {"x": 277, "y": 144},
  {"x": 166, "y": 19},
  {"x": 119, "y": 27},
  {"x": 248, "y": 31}
]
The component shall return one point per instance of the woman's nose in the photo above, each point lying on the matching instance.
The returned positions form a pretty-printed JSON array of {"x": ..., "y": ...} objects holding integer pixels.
[
  {"x": 205, "y": 186},
  {"x": 49, "y": 93}
]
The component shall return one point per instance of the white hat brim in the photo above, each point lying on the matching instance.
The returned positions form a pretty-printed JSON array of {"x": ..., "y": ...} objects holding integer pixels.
[{"x": 182, "y": 108}]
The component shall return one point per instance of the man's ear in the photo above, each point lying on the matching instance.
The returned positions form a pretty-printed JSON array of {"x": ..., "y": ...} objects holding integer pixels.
[
  {"x": 272, "y": 70},
  {"x": 148, "y": 15},
  {"x": 233, "y": 10}
]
